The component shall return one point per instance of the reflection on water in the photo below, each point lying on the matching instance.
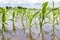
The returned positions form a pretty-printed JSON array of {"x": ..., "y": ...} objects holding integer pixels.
[
  {"x": 11, "y": 35},
  {"x": 3, "y": 38},
  {"x": 20, "y": 35}
]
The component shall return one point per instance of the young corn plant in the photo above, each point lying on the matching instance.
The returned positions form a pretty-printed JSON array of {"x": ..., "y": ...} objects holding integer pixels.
[
  {"x": 14, "y": 14},
  {"x": 3, "y": 37},
  {"x": 53, "y": 19},
  {"x": 54, "y": 13},
  {"x": 22, "y": 19},
  {"x": 42, "y": 17},
  {"x": 30, "y": 18},
  {"x": 13, "y": 17},
  {"x": 4, "y": 17},
  {"x": 53, "y": 34},
  {"x": 59, "y": 16},
  {"x": 23, "y": 12}
]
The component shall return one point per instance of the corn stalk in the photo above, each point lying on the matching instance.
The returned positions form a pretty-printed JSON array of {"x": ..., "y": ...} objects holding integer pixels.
[
  {"x": 30, "y": 18},
  {"x": 42, "y": 17},
  {"x": 22, "y": 19},
  {"x": 4, "y": 17}
]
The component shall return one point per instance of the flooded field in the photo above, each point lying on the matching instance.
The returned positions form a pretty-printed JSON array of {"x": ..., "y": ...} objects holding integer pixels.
[
  {"x": 20, "y": 35},
  {"x": 19, "y": 23}
]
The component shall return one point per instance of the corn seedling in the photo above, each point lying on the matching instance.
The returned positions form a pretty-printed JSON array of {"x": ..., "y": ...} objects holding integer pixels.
[
  {"x": 28, "y": 15},
  {"x": 54, "y": 13},
  {"x": 14, "y": 14},
  {"x": 4, "y": 17},
  {"x": 22, "y": 19},
  {"x": 30, "y": 18},
  {"x": 41, "y": 19}
]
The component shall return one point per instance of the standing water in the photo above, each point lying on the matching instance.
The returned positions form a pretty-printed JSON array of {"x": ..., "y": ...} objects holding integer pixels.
[{"x": 20, "y": 23}]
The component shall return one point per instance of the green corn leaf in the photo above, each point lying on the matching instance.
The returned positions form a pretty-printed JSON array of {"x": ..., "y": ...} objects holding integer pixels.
[
  {"x": 28, "y": 14},
  {"x": 4, "y": 16},
  {"x": 31, "y": 17},
  {"x": 44, "y": 7},
  {"x": 55, "y": 9},
  {"x": 2, "y": 23},
  {"x": 51, "y": 11},
  {"x": 58, "y": 12},
  {"x": 36, "y": 13},
  {"x": 13, "y": 15},
  {"x": 24, "y": 12}
]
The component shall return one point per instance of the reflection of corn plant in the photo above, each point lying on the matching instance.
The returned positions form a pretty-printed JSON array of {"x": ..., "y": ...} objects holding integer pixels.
[{"x": 3, "y": 37}]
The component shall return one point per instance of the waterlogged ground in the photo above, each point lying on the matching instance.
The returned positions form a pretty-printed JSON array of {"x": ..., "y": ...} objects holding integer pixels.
[{"x": 20, "y": 35}]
